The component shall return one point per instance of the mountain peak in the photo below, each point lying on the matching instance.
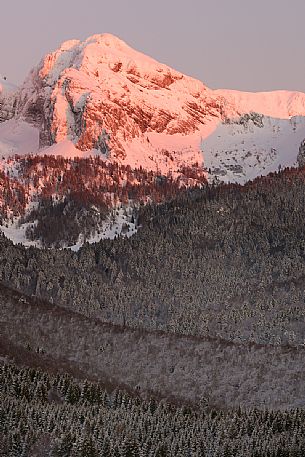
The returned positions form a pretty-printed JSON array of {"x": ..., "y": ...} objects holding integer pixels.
[
  {"x": 105, "y": 97},
  {"x": 107, "y": 39},
  {"x": 69, "y": 44},
  {"x": 102, "y": 88},
  {"x": 99, "y": 39},
  {"x": 99, "y": 53}
]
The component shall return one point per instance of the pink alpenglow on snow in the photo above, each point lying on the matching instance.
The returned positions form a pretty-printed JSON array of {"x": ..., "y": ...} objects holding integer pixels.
[{"x": 100, "y": 96}]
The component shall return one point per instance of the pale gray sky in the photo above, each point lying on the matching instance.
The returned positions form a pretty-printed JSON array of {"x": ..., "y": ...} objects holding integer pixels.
[{"x": 239, "y": 44}]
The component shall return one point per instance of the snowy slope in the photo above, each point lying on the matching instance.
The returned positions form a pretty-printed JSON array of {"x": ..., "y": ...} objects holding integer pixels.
[
  {"x": 239, "y": 152},
  {"x": 64, "y": 148},
  {"x": 18, "y": 137},
  {"x": 112, "y": 227}
]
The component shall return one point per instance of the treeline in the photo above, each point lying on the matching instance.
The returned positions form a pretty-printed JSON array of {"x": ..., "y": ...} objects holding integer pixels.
[
  {"x": 76, "y": 194},
  {"x": 95, "y": 179},
  {"x": 58, "y": 416}
]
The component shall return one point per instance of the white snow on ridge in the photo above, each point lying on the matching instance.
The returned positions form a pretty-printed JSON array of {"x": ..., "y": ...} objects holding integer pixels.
[{"x": 281, "y": 104}]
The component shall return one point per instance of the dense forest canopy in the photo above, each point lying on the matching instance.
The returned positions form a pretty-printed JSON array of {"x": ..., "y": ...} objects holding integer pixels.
[
  {"x": 57, "y": 416},
  {"x": 222, "y": 264},
  {"x": 225, "y": 261}
]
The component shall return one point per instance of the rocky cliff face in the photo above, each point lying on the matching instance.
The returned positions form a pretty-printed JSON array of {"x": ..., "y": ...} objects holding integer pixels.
[
  {"x": 8, "y": 99},
  {"x": 103, "y": 95},
  {"x": 7, "y": 108}
]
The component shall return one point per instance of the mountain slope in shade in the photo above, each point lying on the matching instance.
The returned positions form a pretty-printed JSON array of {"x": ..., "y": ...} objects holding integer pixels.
[
  {"x": 8, "y": 100},
  {"x": 242, "y": 150}
]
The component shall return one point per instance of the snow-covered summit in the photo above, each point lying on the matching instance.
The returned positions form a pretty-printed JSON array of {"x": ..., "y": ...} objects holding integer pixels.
[
  {"x": 104, "y": 52},
  {"x": 102, "y": 96}
]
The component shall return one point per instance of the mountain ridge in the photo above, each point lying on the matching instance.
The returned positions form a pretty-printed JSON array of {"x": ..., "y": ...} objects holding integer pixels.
[
  {"x": 125, "y": 130},
  {"x": 104, "y": 96}
]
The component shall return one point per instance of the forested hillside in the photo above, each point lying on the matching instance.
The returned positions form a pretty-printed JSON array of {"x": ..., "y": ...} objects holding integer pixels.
[
  {"x": 55, "y": 416},
  {"x": 207, "y": 299},
  {"x": 152, "y": 241},
  {"x": 188, "y": 370},
  {"x": 225, "y": 261},
  {"x": 60, "y": 199}
]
